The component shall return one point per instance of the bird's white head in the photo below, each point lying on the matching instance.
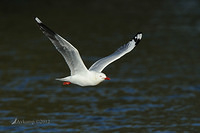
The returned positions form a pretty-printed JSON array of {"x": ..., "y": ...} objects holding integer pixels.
[{"x": 101, "y": 77}]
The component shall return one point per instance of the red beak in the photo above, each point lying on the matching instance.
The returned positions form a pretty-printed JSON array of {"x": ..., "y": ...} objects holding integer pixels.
[{"x": 107, "y": 78}]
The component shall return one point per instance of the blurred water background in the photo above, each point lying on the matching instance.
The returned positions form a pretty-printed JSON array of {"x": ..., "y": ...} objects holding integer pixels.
[{"x": 155, "y": 88}]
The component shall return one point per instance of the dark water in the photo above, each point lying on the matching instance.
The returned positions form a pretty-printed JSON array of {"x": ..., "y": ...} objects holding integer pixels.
[{"x": 155, "y": 88}]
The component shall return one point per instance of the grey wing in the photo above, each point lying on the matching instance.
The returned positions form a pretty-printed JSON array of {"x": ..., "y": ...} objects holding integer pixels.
[
  {"x": 69, "y": 52},
  {"x": 102, "y": 63}
]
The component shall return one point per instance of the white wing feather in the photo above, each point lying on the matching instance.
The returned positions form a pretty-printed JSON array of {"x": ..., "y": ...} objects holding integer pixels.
[
  {"x": 69, "y": 52},
  {"x": 102, "y": 63}
]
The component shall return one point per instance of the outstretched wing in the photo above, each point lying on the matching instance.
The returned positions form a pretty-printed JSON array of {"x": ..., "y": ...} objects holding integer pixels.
[
  {"x": 69, "y": 52},
  {"x": 102, "y": 63}
]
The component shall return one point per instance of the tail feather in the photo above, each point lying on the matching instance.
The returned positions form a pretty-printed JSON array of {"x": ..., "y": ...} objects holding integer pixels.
[{"x": 63, "y": 79}]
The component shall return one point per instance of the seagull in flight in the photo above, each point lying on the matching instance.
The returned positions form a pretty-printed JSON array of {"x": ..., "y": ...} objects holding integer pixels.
[{"x": 80, "y": 75}]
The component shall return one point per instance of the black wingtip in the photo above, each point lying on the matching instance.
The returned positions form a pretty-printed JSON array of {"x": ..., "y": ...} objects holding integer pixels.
[
  {"x": 43, "y": 27},
  {"x": 138, "y": 37}
]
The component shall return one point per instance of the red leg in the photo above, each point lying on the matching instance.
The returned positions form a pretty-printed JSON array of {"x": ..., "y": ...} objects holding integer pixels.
[{"x": 66, "y": 83}]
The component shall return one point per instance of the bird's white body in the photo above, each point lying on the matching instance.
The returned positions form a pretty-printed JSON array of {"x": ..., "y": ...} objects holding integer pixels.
[
  {"x": 90, "y": 78},
  {"x": 80, "y": 75}
]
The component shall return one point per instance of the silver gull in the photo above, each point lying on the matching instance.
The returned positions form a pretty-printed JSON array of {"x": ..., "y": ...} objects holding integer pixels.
[{"x": 80, "y": 75}]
